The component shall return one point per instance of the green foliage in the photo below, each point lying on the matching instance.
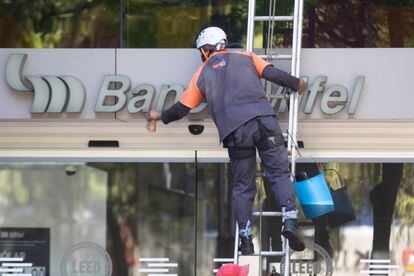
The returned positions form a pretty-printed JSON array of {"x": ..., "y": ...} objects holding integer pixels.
[
  {"x": 58, "y": 23},
  {"x": 404, "y": 207},
  {"x": 359, "y": 23},
  {"x": 175, "y": 24}
]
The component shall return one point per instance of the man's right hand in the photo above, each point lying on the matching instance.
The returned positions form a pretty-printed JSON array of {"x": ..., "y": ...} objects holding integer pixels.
[
  {"x": 302, "y": 86},
  {"x": 152, "y": 117}
]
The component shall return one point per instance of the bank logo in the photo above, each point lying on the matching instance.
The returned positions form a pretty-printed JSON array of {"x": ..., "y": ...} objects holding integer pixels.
[
  {"x": 219, "y": 65},
  {"x": 86, "y": 259},
  {"x": 52, "y": 94}
]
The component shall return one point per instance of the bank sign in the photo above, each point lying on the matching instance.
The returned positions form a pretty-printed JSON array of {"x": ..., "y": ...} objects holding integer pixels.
[
  {"x": 334, "y": 92},
  {"x": 57, "y": 94}
]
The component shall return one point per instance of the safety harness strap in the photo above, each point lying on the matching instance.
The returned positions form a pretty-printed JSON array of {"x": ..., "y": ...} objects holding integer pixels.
[
  {"x": 238, "y": 153},
  {"x": 241, "y": 152}
]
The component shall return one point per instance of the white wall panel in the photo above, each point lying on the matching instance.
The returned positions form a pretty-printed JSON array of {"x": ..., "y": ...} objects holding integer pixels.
[
  {"x": 386, "y": 94},
  {"x": 382, "y": 126},
  {"x": 88, "y": 65}
]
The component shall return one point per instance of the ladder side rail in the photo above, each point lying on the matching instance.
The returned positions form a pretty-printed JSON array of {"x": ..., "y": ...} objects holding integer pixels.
[
  {"x": 260, "y": 221},
  {"x": 299, "y": 35},
  {"x": 293, "y": 72},
  {"x": 286, "y": 249},
  {"x": 294, "y": 99},
  {"x": 296, "y": 95},
  {"x": 287, "y": 257},
  {"x": 250, "y": 25},
  {"x": 249, "y": 47},
  {"x": 295, "y": 38},
  {"x": 298, "y": 60},
  {"x": 236, "y": 245}
]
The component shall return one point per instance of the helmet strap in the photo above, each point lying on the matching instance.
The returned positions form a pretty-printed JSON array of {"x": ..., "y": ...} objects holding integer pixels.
[
  {"x": 204, "y": 54},
  {"x": 207, "y": 50}
]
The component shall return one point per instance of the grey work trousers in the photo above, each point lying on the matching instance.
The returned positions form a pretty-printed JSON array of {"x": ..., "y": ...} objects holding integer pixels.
[{"x": 262, "y": 133}]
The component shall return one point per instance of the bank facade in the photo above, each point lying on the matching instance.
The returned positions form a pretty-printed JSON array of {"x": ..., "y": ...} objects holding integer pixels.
[{"x": 86, "y": 189}]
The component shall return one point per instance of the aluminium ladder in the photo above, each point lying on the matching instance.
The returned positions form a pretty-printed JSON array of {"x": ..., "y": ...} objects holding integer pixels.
[{"x": 294, "y": 57}]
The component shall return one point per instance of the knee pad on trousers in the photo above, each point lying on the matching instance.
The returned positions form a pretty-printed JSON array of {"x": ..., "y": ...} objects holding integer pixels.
[{"x": 241, "y": 153}]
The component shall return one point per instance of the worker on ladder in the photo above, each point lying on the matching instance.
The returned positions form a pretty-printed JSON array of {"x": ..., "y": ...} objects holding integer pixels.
[{"x": 230, "y": 82}]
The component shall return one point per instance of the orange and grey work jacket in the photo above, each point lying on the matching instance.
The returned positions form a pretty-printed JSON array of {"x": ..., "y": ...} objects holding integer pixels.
[{"x": 229, "y": 81}]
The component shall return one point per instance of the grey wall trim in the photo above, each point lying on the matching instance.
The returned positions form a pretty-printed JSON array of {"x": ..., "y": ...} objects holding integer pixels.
[
  {"x": 63, "y": 159},
  {"x": 6, "y": 159}
]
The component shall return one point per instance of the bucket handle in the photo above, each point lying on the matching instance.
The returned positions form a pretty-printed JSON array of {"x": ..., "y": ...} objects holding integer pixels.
[{"x": 342, "y": 180}]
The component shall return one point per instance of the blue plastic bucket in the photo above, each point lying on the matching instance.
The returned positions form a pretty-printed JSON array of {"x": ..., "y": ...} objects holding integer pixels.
[{"x": 314, "y": 196}]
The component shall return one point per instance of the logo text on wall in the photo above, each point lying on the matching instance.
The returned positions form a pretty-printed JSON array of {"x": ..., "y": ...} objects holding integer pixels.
[{"x": 56, "y": 94}]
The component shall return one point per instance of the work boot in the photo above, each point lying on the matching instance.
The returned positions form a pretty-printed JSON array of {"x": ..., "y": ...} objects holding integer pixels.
[
  {"x": 246, "y": 245},
  {"x": 291, "y": 232}
]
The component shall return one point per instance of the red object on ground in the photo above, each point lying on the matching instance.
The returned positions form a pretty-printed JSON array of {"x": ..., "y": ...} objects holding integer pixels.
[
  {"x": 408, "y": 259},
  {"x": 233, "y": 270}
]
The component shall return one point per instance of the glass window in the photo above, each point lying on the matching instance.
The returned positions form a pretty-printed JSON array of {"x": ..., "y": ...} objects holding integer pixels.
[
  {"x": 91, "y": 218},
  {"x": 380, "y": 195},
  {"x": 345, "y": 24},
  {"x": 47, "y": 208},
  {"x": 359, "y": 24},
  {"x": 176, "y": 24},
  {"x": 215, "y": 216},
  {"x": 150, "y": 217},
  {"x": 134, "y": 218},
  {"x": 327, "y": 24},
  {"x": 59, "y": 24}
]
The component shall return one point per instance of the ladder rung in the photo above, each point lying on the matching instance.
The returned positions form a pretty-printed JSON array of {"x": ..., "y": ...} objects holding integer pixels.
[
  {"x": 274, "y": 18},
  {"x": 267, "y": 253},
  {"x": 268, "y": 214},
  {"x": 278, "y": 96},
  {"x": 223, "y": 260},
  {"x": 279, "y": 57}
]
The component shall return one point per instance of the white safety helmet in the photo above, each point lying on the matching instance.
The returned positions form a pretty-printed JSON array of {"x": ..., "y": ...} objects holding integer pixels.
[{"x": 212, "y": 36}]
